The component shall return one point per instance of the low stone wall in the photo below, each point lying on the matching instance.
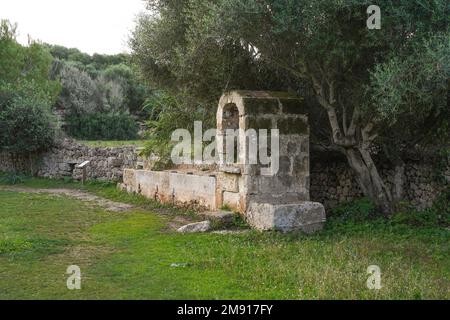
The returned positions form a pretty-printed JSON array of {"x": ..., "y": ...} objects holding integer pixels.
[
  {"x": 105, "y": 163},
  {"x": 332, "y": 182},
  {"x": 194, "y": 191}
]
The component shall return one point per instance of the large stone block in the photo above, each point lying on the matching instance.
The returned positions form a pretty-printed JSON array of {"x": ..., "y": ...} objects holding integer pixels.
[{"x": 306, "y": 216}]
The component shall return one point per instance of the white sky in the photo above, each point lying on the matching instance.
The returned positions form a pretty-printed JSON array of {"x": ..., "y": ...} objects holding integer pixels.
[{"x": 93, "y": 26}]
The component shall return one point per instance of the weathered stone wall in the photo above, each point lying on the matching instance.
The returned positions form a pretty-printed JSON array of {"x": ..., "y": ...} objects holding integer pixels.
[
  {"x": 332, "y": 182},
  {"x": 243, "y": 182},
  {"x": 105, "y": 163},
  {"x": 190, "y": 190}
]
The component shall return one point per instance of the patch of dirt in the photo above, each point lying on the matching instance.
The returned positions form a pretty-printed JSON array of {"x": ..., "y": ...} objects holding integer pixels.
[{"x": 80, "y": 195}]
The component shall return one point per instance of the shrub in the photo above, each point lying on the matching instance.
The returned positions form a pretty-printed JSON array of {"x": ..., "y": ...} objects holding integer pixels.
[
  {"x": 167, "y": 114},
  {"x": 12, "y": 178},
  {"x": 416, "y": 218},
  {"x": 437, "y": 215},
  {"x": 26, "y": 123},
  {"x": 99, "y": 126},
  {"x": 79, "y": 94},
  {"x": 26, "y": 96},
  {"x": 357, "y": 210}
]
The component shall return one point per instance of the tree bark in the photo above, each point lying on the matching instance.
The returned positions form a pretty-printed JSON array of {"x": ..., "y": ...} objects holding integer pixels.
[
  {"x": 369, "y": 179},
  {"x": 354, "y": 141}
]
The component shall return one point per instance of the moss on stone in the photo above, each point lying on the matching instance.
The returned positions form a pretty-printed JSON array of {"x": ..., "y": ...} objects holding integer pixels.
[
  {"x": 293, "y": 106},
  {"x": 293, "y": 126},
  {"x": 259, "y": 123},
  {"x": 261, "y": 106}
]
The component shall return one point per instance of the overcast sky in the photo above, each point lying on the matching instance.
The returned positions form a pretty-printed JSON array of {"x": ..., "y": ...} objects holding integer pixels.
[{"x": 93, "y": 26}]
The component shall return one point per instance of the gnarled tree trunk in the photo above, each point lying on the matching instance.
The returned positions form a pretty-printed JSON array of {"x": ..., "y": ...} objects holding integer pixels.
[
  {"x": 369, "y": 179},
  {"x": 354, "y": 139}
]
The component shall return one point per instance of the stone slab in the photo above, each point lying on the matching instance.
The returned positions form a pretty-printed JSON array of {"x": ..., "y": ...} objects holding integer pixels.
[{"x": 308, "y": 217}]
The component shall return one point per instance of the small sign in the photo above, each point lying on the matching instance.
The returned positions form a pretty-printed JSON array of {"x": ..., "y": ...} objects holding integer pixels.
[{"x": 84, "y": 164}]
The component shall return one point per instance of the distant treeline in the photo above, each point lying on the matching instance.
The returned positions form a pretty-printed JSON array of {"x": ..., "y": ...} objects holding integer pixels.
[{"x": 101, "y": 95}]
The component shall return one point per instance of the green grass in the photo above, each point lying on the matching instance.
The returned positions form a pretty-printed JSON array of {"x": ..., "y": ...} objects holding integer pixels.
[
  {"x": 104, "y": 144},
  {"x": 129, "y": 255}
]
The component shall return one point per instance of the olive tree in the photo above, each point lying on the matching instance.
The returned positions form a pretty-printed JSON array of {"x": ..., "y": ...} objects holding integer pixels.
[{"x": 373, "y": 85}]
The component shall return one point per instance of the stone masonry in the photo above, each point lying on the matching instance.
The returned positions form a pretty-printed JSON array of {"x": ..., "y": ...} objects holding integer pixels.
[{"x": 106, "y": 164}]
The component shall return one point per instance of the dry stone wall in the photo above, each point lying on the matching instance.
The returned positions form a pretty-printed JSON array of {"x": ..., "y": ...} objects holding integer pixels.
[
  {"x": 105, "y": 163},
  {"x": 332, "y": 182}
]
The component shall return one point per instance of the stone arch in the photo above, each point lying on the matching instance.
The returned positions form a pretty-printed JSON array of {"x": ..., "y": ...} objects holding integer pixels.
[{"x": 230, "y": 115}]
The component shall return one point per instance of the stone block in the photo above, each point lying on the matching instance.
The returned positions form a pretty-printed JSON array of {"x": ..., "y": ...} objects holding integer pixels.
[
  {"x": 293, "y": 106},
  {"x": 261, "y": 106},
  {"x": 223, "y": 217},
  {"x": 229, "y": 182},
  {"x": 189, "y": 188},
  {"x": 290, "y": 126},
  {"x": 306, "y": 216},
  {"x": 258, "y": 123},
  {"x": 231, "y": 198}
]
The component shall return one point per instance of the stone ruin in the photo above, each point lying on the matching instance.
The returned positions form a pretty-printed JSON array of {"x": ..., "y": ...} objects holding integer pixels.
[{"x": 278, "y": 201}]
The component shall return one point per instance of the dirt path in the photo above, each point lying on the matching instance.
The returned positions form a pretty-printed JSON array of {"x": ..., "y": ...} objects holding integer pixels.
[{"x": 80, "y": 195}]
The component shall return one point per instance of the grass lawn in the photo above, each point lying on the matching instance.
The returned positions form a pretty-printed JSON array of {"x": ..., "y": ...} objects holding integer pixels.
[
  {"x": 105, "y": 144},
  {"x": 129, "y": 255}
]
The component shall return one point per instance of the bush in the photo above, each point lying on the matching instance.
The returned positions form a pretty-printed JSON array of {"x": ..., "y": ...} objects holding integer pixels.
[
  {"x": 437, "y": 215},
  {"x": 12, "y": 178},
  {"x": 26, "y": 96},
  {"x": 167, "y": 114},
  {"x": 98, "y": 126},
  {"x": 356, "y": 211},
  {"x": 26, "y": 123}
]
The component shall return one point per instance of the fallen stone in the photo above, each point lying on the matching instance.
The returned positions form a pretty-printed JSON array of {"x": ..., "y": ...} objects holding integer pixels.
[{"x": 204, "y": 226}]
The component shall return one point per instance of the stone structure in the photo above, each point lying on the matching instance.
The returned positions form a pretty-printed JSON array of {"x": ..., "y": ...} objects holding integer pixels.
[
  {"x": 279, "y": 200},
  {"x": 105, "y": 163},
  {"x": 333, "y": 182}
]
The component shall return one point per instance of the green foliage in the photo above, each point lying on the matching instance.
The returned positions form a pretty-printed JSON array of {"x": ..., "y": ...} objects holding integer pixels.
[
  {"x": 26, "y": 95},
  {"x": 385, "y": 87},
  {"x": 416, "y": 218},
  {"x": 410, "y": 93},
  {"x": 357, "y": 211},
  {"x": 172, "y": 58},
  {"x": 362, "y": 211},
  {"x": 25, "y": 68},
  {"x": 12, "y": 178},
  {"x": 102, "y": 126},
  {"x": 437, "y": 215},
  {"x": 134, "y": 253},
  {"x": 26, "y": 125},
  {"x": 167, "y": 114},
  {"x": 80, "y": 94},
  {"x": 98, "y": 81}
]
